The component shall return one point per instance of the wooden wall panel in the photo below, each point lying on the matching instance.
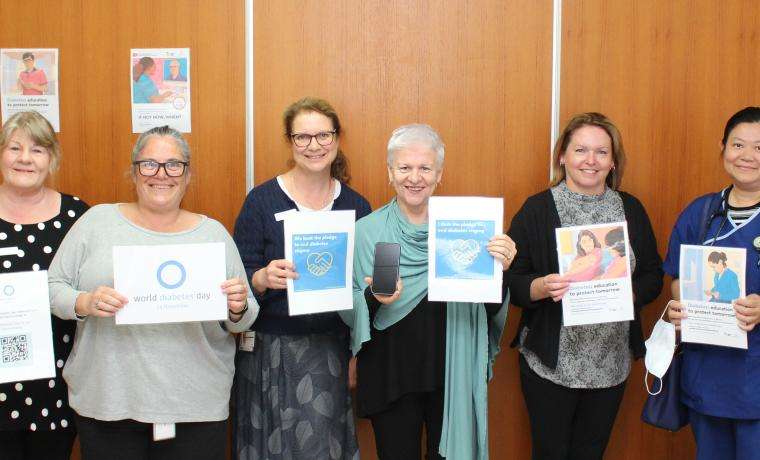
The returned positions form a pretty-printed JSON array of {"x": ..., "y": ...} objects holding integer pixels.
[
  {"x": 669, "y": 74},
  {"x": 94, "y": 39},
  {"x": 478, "y": 72}
]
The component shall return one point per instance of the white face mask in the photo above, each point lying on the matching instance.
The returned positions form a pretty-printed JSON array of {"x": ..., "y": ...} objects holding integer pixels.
[{"x": 660, "y": 348}]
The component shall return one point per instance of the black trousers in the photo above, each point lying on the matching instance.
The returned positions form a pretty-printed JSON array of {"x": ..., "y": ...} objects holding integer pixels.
[
  {"x": 568, "y": 423},
  {"x": 398, "y": 429},
  {"x": 36, "y": 445},
  {"x": 132, "y": 440}
]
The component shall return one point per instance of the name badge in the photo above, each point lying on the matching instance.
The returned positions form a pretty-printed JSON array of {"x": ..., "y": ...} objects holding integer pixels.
[
  {"x": 280, "y": 216},
  {"x": 247, "y": 341},
  {"x": 162, "y": 431},
  {"x": 9, "y": 251}
]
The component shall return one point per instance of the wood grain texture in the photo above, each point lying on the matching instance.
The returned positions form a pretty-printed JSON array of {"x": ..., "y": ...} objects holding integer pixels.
[
  {"x": 94, "y": 39},
  {"x": 669, "y": 74},
  {"x": 478, "y": 72}
]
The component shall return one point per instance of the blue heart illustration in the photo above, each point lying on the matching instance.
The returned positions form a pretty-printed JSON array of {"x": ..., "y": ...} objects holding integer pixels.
[
  {"x": 319, "y": 263},
  {"x": 463, "y": 253}
]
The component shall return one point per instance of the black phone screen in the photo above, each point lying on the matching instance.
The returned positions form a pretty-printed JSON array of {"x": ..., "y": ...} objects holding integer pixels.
[{"x": 385, "y": 271}]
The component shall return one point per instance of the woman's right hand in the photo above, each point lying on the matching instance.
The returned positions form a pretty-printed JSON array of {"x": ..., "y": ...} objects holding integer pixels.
[
  {"x": 274, "y": 276},
  {"x": 102, "y": 302},
  {"x": 676, "y": 312},
  {"x": 551, "y": 286},
  {"x": 386, "y": 299}
]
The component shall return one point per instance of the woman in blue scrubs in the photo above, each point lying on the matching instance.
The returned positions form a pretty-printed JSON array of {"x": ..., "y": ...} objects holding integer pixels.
[{"x": 721, "y": 385}]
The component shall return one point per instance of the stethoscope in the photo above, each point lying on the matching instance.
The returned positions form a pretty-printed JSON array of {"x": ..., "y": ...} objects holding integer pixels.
[{"x": 723, "y": 211}]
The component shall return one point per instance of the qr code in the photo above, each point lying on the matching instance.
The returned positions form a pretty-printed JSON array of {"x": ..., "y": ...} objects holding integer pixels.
[{"x": 14, "y": 349}]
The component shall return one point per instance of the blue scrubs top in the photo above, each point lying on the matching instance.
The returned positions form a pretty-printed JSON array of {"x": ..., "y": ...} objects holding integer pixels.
[
  {"x": 719, "y": 381},
  {"x": 143, "y": 89},
  {"x": 726, "y": 286}
]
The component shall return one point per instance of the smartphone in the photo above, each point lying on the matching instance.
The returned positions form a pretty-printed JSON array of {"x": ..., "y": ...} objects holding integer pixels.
[{"x": 385, "y": 270}]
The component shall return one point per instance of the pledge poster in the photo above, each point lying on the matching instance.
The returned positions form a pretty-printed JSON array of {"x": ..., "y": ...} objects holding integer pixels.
[
  {"x": 30, "y": 82},
  {"x": 160, "y": 84},
  {"x": 460, "y": 267},
  {"x": 710, "y": 279},
  {"x": 595, "y": 259},
  {"x": 321, "y": 246}
]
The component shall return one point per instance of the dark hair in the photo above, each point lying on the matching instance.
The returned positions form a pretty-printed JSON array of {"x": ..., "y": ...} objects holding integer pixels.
[
  {"x": 27, "y": 55},
  {"x": 745, "y": 115},
  {"x": 339, "y": 168},
  {"x": 590, "y": 234},
  {"x": 717, "y": 256},
  {"x": 615, "y": 177},
  {"x": 615, "y": 240},
  {"x": 141, "y": 66}
]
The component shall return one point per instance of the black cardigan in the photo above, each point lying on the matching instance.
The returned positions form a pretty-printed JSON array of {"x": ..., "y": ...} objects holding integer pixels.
[{"x": 533, "y": 232}]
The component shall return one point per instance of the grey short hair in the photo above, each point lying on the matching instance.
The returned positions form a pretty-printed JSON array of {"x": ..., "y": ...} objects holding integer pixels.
[
  {"x": 415, "y": 134},
  {"x": 160, "y": 131}
]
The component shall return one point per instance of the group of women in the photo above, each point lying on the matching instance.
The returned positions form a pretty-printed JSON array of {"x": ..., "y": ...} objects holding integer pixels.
[{"x": 417, "y": 365}]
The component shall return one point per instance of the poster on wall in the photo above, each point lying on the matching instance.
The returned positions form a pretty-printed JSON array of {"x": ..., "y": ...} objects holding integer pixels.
[
  {"x": 30, "y": 82},
  {"x": 460, "y": 267},
  {"x": 160, "y": 83}
]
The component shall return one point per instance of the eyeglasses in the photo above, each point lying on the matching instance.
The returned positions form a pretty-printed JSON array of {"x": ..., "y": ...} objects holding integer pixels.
[
  {"x": 172, "y": 168},
  {"x": 324, "y": 138}
]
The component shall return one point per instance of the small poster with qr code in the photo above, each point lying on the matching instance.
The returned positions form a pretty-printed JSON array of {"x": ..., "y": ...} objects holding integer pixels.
[{"x": 26, "y": 339}]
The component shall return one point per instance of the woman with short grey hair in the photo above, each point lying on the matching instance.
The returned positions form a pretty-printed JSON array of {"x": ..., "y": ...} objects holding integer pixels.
[{"x": 420, "y": 363}]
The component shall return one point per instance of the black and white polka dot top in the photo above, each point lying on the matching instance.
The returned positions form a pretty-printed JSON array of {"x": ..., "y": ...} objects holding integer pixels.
[{"x": 39, "y": 405}]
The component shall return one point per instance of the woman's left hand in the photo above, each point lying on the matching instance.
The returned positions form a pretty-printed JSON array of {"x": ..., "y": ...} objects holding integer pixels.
[
  {"x": 747, "y": 311},
  {"x": 503, "y": 249},
  {"x": 236, "y": 291}
]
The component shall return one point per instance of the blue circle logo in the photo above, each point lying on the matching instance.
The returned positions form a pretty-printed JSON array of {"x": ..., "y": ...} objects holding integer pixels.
[
  {"x": 9, "y": 290},
  {"x": 176, "y": 271}
]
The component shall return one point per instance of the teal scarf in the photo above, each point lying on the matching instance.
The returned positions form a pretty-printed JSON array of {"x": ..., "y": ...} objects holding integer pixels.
[{"x": 471, "y": 342}]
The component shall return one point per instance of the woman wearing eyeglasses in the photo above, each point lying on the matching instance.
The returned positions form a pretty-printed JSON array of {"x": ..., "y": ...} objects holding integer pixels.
[
  {"x": 131, "y": 383},
  {"x": 719, "y": 384},
  {"x": 291, "y": 385}
]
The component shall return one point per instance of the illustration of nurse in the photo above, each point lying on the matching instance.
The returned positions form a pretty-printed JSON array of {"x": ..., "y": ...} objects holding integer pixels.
[{"x": 725, "y": 282}]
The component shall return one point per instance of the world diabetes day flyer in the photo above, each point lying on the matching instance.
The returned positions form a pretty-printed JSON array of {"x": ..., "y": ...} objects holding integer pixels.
[
  {"x": 710, "y": 279},
  {"x": 595, "y": 259},
  {"x": 160, "y": 83},
  {"x": 460, "y": 267},
  {"x": 320, "y": 245},
  {"x": 29, "y": 81}
]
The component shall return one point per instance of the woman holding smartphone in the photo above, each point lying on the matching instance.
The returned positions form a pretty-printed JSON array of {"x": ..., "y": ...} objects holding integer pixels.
[{"x": 420, "y": 363}]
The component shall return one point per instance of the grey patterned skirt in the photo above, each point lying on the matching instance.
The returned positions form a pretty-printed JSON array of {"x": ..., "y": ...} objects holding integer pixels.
[{"x": 291, "y": 399}]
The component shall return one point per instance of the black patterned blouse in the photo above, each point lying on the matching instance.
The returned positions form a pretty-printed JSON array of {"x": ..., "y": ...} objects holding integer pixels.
[{"x": 39, "y": 405}]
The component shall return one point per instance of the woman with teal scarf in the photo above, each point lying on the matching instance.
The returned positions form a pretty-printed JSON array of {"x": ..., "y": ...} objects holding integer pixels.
[{"x": 420, "y": 363}]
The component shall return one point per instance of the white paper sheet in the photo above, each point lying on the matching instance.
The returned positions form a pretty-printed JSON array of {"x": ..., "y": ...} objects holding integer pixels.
[
  {"x": 321, "y": 246},
  {"x": 597, "y": 260},
  {"x": 460, "y": 269},
  {"x": 170, "y": 283},
  {"x": 26, "y": 336},
  {"x": 707, "y": 290},
  {"x": 161, "y": 94},
  {"x": 30, "y": 84}
]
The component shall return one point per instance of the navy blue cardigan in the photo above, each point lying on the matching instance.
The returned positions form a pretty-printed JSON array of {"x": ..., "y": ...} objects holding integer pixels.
[{"x": 260, "y": 239}]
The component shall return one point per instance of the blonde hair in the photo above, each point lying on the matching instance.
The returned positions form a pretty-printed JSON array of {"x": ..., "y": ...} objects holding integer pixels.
[
  {"x": 615, "y": 177},
  {"x": 38, "y": 129}
]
